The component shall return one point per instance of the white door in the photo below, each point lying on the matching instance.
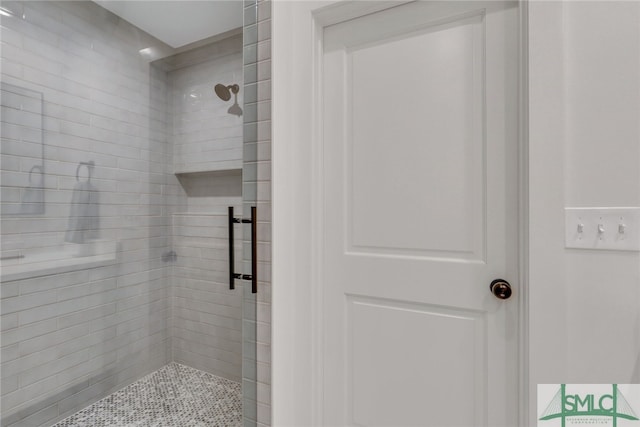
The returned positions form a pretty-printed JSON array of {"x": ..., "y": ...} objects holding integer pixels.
[{"x": 420, "y": 183}]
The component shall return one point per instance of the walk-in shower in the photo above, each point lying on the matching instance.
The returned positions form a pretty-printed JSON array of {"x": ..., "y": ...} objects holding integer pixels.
[{"x": 119, "y": 166}]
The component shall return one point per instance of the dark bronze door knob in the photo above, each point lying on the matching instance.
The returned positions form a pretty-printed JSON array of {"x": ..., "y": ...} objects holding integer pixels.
[{"x": 500, "y": 288}]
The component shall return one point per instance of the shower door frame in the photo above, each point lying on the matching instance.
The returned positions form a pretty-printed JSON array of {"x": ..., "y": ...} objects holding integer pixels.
[{"x": 297, "y": 205}]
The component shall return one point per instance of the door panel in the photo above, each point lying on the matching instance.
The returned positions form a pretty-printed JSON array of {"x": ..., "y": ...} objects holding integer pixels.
[
  {"x": 419, "y": 137},
  {"x": 431, "y": 132},
  {"x": 380, "y": 329}
]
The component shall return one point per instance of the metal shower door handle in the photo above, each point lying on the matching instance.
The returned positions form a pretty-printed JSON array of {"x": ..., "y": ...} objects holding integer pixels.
[{"x": 254, "y": 250}]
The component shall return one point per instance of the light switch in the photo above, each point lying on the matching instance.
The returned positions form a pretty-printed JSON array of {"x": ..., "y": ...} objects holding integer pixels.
[{"x": 615, "y": 229}]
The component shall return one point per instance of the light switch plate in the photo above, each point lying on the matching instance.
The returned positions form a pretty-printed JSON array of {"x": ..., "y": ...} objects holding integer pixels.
[{"x": 615, "y": 229}]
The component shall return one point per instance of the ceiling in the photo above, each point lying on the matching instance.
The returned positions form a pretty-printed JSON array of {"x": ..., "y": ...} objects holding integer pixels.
[{"x": 179, "y": 23}]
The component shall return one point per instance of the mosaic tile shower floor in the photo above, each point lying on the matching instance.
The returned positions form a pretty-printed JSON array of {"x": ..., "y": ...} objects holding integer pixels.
[{"x": 173, "y": 396}]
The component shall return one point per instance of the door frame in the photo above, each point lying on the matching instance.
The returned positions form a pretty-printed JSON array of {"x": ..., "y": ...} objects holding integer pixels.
[{"x": 296, "y": 362}]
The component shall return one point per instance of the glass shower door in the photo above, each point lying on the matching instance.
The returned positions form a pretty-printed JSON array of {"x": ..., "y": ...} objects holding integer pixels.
[{"x": 119, "y": 163}]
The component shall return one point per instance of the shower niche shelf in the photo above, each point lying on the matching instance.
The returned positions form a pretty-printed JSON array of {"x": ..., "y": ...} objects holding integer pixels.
[{"x": 217, "y": 183}]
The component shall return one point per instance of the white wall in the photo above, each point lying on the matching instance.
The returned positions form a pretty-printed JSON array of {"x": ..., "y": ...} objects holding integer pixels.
[
  {"x": 584, "y": 151},
  {"x": 602, "y": 154}
]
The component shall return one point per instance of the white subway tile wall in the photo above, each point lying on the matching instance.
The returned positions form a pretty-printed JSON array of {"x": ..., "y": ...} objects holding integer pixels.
[
  {"x": 69, "y": 339},
  {"x": 206, "y": 326},
  {"x": 206, "y": 321},
  {"x": 257, "y": 192},
  {"x": 205, "y": 136}
]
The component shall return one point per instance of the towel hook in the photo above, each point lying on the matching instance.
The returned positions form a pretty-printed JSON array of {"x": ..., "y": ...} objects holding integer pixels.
[
  {"x": 40, "y": 171},
  {"x": 90, "y": 165}
]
